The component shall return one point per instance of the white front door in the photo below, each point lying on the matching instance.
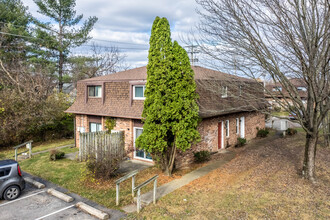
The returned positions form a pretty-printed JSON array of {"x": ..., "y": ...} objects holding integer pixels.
[
  {"x": 242, "y": 130},
  {"x": 140, "y": 154}
]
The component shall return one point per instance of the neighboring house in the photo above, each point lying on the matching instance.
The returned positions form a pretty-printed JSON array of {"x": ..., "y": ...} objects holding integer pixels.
[
  {"x": 280, "y": 94},
  {"x": 225, "y": 112}
]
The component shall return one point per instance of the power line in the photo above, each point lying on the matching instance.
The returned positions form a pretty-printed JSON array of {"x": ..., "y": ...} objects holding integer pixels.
[
  {"x": 119, "y": 42},
  {"x": 93, "y": 39},
  {"x": 192, "y": 51},
  {"x": 84, "y": 45},
  {"x": 17, "y": 35}
]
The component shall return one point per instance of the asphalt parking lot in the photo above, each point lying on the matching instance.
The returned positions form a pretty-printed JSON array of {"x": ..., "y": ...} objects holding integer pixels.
[{"x": 37, "y": 204}]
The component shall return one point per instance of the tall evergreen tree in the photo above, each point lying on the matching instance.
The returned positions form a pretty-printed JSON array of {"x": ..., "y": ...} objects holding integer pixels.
[
  {"x": 170, "y": 110},
  {"x": 65, "y": 36},
  {"x": 14, "y": 21}
]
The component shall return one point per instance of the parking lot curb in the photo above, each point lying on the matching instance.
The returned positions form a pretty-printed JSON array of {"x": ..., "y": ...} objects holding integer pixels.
[
  {"x": 92, "y": 211},
  {"x": 35, "y": 183},
  {"x": 60, "y": 195}
]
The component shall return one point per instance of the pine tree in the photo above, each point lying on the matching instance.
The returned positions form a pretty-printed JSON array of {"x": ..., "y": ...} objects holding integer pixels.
[
  {"x": 170, "y": 111},
  {"x": 14, "y": 21},
  {"x": 66, "y": 36}
]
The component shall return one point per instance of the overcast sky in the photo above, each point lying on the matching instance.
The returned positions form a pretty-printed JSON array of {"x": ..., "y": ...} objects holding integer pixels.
[{"x": 130, "y": 21}]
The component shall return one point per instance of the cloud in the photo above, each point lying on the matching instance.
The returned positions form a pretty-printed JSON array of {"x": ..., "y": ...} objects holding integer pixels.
[{"x": 130, "y": 21}]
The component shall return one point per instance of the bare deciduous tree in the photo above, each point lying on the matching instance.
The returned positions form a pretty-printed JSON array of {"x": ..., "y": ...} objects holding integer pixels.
[
  {"x": 280, "y": 38},
  {"x": 104, "y": 60},
  {"x": 29, "y": 104}
]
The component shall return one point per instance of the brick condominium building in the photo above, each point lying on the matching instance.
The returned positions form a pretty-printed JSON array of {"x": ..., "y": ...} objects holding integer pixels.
[{"x": 225, "y": 109}]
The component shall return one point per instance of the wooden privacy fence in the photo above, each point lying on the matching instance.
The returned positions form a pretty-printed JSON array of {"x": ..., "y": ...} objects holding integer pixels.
[{"x": 101, "y": 144}]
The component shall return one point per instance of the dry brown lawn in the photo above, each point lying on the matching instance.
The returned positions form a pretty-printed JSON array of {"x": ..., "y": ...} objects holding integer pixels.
[{"x": 262, "y": 182}]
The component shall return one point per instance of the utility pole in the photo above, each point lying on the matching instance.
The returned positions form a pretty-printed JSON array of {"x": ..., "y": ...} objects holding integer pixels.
[{"x": 192, "y": 51}]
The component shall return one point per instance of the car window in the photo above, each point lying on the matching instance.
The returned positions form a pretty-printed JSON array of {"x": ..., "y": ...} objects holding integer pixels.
[{"x": 5, "y": 171}]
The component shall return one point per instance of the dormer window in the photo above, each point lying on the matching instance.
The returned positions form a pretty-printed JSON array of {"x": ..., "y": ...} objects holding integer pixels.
[
  {"x": 301, "y": 88},
  {"x": 277, "y": 89},
  {"x": 224, "y": 92},
  {"x": 94, "y": 91},
  {"x": 138, "y": 92}
]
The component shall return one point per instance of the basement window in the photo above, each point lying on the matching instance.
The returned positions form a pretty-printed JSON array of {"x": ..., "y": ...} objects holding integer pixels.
[{"x": 94, "y": 91}]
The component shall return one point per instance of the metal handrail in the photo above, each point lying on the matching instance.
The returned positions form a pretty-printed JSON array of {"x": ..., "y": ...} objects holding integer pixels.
[
  {"x": 25, "y": 143},
  {"x": 131, "y": 174},
  {"x": 28, "y": 145},
  {"x": 138, "y": 189}
]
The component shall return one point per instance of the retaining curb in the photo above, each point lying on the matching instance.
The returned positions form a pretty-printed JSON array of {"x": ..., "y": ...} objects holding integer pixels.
[
  {"x": 92, "y": 211},
  {"x": 60, "y": 195},
  {"x": 35, "y": 183}
]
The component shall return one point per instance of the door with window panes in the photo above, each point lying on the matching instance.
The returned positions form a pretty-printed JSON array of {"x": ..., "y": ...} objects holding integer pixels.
[{"x": 140, "y": 154}]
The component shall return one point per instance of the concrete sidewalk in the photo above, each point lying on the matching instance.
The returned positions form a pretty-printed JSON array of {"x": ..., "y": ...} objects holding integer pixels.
[
  {"x": 56, "y": 148},
  {"x": 167, "y": 188}
]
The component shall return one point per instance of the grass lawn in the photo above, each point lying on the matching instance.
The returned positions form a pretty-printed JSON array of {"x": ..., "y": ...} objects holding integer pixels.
[
  {"x": 72, "y": 176},
  {"x": 9, "y": 152},
  {"x": 280, "y": 114},
  {"x": 261, "y": 182}
]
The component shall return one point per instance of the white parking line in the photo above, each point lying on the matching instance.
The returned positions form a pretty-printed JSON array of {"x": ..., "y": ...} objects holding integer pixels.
[
  {"x": 45, "y": 216},
  {"x": 22, "y": 198}
]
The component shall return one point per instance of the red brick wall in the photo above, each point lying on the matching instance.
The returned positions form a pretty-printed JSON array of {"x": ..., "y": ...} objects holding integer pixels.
[
  {"x": 125, "y": 125},
  {"x": 208, "y": 130},
  {"x": 81, "y": 121},
  {"x": 122, "y": 124}
]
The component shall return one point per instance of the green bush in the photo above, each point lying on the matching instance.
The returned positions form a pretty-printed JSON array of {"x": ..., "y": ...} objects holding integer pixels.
[
  {"x": 262, "y": 133},
  {"x": 103, "y": 167},
  {"x": 56, "y": 155},
  {"x": 202, "y": 156},
  {"x": 277, "y": 108},
  {"x": 241, "y": 142},
  {"x": 291, "y": 131}
]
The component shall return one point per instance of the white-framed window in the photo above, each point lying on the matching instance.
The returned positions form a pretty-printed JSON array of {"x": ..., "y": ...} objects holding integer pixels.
[
  {"x": 242, "y": 127},
  {"x": 94, "y": 127},
  {"x": 301, "y": 88},
  {"x": 237, "y": 125},
  {"x": 227, "y": 128},
  {"x": 138, "y": 92},
  {"x": 94, "y": 91},
  {"x": 277, "y": 88},
  {"x": 224, "y": 91}
]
